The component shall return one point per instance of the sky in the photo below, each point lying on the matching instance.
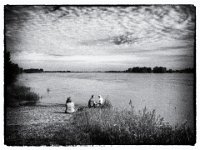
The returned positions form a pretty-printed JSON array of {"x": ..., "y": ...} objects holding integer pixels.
[{"x": 100, "y": 38}]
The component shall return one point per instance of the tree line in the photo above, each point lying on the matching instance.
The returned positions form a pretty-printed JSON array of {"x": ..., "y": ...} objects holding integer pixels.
[
  {"x": 11, "y": 70},
  {"x": 157, "y": 70},
  {"x": 33, "y": 70}
]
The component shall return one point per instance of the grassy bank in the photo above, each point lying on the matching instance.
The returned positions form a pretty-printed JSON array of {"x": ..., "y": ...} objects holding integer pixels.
[
  {"x": 20, "y": 95},
  {"x": 113, "y": 126},
  {"x": 100, "y": 126}
]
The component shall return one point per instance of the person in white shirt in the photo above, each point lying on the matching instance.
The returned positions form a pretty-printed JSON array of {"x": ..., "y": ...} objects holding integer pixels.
[
  {"x": 101, "y": 100},
  {"x": 70, "y": 107}
]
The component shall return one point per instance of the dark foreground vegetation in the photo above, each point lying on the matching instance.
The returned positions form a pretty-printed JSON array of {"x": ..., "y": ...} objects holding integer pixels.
[
  {"x": 118, "y": 127},
  {"x": 16, "y": 94},
  {"x": 102, "y": 126}
]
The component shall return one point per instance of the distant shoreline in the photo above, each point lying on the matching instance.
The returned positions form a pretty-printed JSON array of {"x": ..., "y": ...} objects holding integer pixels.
[
  {"x": 106, "y": 72},
  {"x": 129, "y": 70}
]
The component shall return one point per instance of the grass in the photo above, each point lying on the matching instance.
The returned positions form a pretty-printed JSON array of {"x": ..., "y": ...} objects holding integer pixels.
[
  {"x": 105, "y": 126},
  {"x": 20, "y": 95},
  {"x": 113, "y": 126}
]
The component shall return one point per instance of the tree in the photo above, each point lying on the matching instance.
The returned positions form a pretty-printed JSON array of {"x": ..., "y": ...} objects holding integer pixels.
[
  {"x": 159, "y": 69},
  {"x": 11, "y": 70}
]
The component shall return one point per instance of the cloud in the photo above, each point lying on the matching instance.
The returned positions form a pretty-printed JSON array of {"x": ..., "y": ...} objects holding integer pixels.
[{"x": 56, "y": 31}]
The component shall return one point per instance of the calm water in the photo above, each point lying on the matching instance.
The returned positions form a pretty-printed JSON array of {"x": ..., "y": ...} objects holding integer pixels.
[{"x": 170, "y": 94}]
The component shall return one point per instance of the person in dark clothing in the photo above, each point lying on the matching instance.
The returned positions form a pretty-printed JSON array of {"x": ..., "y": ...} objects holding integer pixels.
[{"x": 91, "y": 102}]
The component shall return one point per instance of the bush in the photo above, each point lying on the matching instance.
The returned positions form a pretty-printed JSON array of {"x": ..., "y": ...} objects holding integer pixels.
[
  {"x": 21, "y": 95},
  {"x": 97, "y": 126},
  {"x": 106, "y": 104},
  {"x": 113, "y": 126}
]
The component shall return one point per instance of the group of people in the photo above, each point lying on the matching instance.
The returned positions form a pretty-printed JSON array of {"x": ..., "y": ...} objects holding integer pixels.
[
  {"x": 93, "y": 103},
  {"x": 70, "y": 107}
]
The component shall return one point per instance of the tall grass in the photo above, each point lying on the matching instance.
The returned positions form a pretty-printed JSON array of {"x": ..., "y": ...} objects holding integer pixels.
[
  {"x": 21, "y": 95},
  {"x": 106, "y": 126},
  {"x": 107, "y": 104},
  {"x": 113, "y": 126}
]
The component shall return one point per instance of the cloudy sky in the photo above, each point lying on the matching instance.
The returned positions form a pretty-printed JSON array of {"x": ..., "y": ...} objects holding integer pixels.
[{"x": 100, "y": 38}]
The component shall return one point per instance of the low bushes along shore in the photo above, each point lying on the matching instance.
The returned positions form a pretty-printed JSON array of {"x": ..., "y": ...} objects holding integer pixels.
[
  {"x": 98, "y": 126},
  {"x": 113, "y": 126},
  {"x": 19, "y": 95}
]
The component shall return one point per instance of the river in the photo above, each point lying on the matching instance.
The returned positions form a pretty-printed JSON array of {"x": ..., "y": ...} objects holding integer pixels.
[{"x": 171, "y": 95}]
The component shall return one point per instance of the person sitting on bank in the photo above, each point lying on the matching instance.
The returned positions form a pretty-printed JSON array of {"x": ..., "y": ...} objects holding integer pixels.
[
  {"x": 101, "y": 100},
  {"x": 70, "y": 107},
  {"x": 91, "y": 102}
]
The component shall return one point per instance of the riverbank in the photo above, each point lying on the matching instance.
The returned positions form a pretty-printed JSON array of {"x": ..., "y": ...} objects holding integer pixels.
[
  {"x": 49, "y": 125},
  {"x": 34, "y": 125}
]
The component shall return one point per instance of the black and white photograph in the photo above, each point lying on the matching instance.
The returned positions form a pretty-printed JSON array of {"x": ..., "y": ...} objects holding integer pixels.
[{"x": 99, "y": 75}]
